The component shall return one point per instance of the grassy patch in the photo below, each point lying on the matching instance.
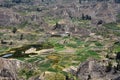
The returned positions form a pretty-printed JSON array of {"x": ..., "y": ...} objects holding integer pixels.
[
  {"x": 98, "y": 43},
  {"x": 3, "y": 49},
  {"x": 27, "y": 73},
  {"x": 36, "y": 58},
  {"x": 51, "y": 21},
  {"x": 59, "y": 47},
  {"x": 43, "y": 66},
  {"x": 112, "y": 26},
  {"x": 85, "y": 54},
  {"x": 116, "y": 48}
]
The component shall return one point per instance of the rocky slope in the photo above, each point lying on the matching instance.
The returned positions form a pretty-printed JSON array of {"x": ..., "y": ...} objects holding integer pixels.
[
  {"x": 97, "y": 70},
  {"x": 48, "y": 39},
  {"x": 9, "y": 68},
  {"x": 89, "y": 70},
  {"x": 105, "y": 11}
]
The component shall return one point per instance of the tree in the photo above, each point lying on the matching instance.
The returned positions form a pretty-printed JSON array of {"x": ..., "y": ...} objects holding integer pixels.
[
  {"x": 3, "y": 42},
  {"x": 118, "y": 56},
  {"x": 42, "y": 0},
  {"x": 118, "y": 65},
  {"x": 57, "y": 26},
  {"x": 117, "y": 1},
  {"x": 14, "y": 30},
  {"x": 11, "y": 43},
  {"x": 109, "y": 67},
  {"x": 100, "y": 22},
  {"x": 21, "y": 37},
  {"x": 83, "y": 17},
  {"x": 118, "y": 60},
  {"x": 86, "y": 17},
  {"x": 16, "y": 1},
  {"x": 89, "y": 77},
  {"x": 80, "y": 1}
]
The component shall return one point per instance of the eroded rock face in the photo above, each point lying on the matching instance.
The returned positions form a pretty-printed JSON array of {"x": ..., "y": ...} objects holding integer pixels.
[
  {"x": 96, "y": 70},
  {"x": 12, "y": 69},
  {"x": 9, "y": 69},
  {"x": 8, "y": 17},
  {"x": 105, "y": 11}
]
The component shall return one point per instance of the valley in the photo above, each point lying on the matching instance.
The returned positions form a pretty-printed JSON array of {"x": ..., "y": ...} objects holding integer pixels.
[{"x": 59, "y": 40}]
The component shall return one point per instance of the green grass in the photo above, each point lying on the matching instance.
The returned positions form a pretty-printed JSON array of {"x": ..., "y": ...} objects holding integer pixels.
[
  {"x": 112, "y": 26},
  {"x": 59, "y": 47},
  {"x": 86, "y": 53},
  {"x": 36, "y": 58},
  {"x": 21, "y": 58},
  {"x": 74, "y": 43},
  {"x": 3, "y": 49},
  {"x": 27, "y": 73},
  {"x": 116, "y": 48},
  {"x": 63, "y": 60},
  {"x": 30, "y": 37},
  {"x": 52, "y": 70},
  {"x": 98, "y": 43},
  {"x": 45, "y": 65}
]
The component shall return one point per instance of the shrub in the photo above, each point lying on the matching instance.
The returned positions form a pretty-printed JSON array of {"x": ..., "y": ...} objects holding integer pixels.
[{"x": 14, "y": 30}]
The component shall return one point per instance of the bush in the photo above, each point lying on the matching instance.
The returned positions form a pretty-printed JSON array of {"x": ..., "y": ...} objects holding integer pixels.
[
  {"x": 86, "y": 17},
  {"x": 14, "y": 30},
  {"x": 109, "y": 67},
  {"x": 21, "y": 37}
]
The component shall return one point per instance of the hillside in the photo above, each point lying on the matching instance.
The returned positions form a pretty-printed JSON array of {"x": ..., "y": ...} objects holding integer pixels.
[{"x": 59, "y": 39}]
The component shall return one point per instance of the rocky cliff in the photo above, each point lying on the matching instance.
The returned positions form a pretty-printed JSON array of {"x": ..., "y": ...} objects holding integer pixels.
[
  {"x": 97, "y": 70},
  {"x": 18, "y": 12},
  {"x": 9, "y": 69}
]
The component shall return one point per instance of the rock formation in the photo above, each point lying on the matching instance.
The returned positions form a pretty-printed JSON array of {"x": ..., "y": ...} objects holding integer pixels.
[
  {"x": 96, "y": 70},
  {"x": 9, "y": 68}
]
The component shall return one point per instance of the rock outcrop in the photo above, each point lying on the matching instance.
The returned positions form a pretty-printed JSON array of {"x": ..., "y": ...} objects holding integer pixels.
[
  {"x": 8, "y": 17},
  {"x": 9, "y": 68},
  {"x": 96, "y": 70}
]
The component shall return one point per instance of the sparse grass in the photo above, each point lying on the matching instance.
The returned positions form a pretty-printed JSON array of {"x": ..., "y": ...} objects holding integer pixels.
[
  {"x": 30, "y": 37},
  {"x": 80, "y": 23},
  {"x": 98, "y": 43},
  {"x": 21, "y": 58},
  {"x": 3, "y": 49},
  {"x": 23, "y": 24},
  {"x": 51, "y": 21},
  {"x": 1, "y": 34},
  {"x": 75, "y": 43},
  {"x": 116, "y": 48},
  {"x": 27, "y": 73},
  {"x": 112, "y": 26},
  {"x": 36, "y": 58}
]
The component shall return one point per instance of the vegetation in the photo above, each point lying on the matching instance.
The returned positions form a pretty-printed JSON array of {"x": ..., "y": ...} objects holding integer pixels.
[
  {"x": 86, "y": 17},
  {"x": 14, "y": 30},
  {"x": 30, "y": 37},
  {"x": 26, "y": 73}
]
